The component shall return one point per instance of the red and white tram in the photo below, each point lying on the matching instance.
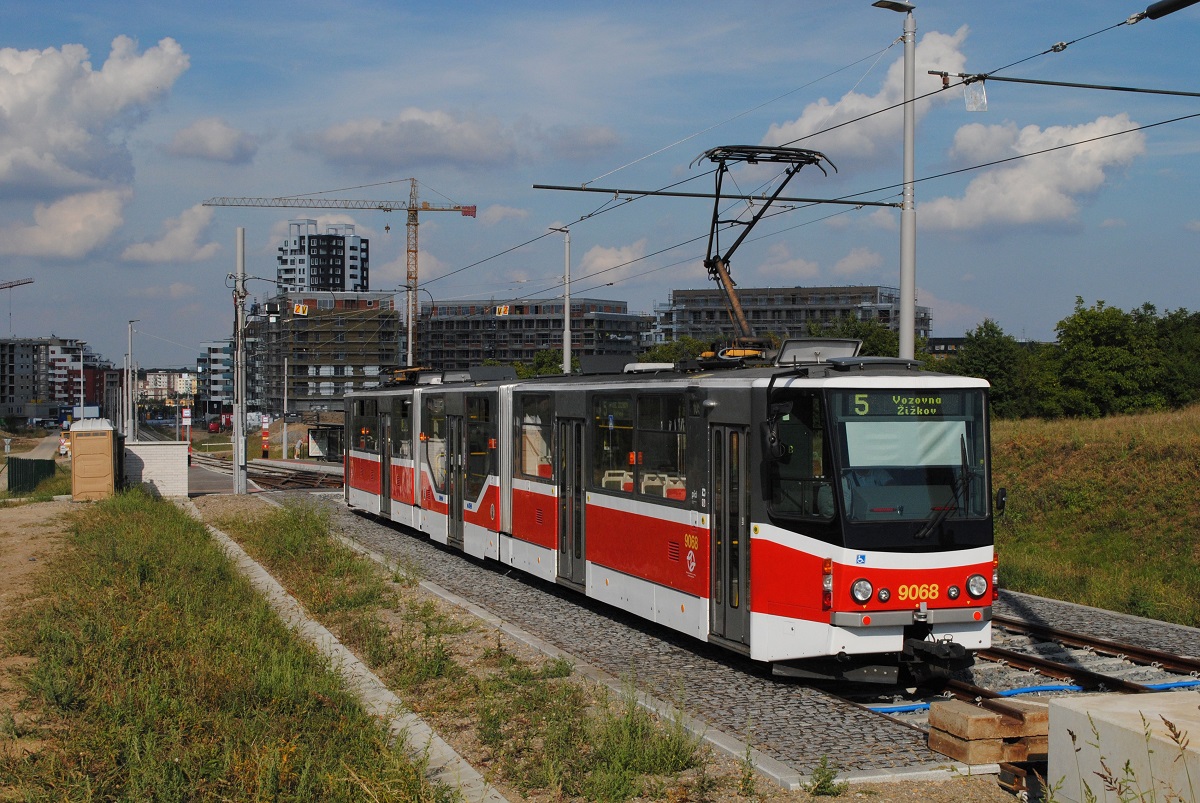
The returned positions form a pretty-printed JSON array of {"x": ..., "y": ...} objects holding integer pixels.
[{"x": 830, "y": 517}]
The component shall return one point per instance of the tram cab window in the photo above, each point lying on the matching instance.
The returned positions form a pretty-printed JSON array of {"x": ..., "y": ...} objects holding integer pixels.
[
  {"x": 534, "y": 427},
  {"x": 661, "y": 444},
  {"x": 614, "y": 461},
  {"x": 433, "y": 439},
  {"x": 365, "y": 425},
  {"x": 911, "y": 455},
  {"x": 800, "y": 482},
  {"x": 402, "y": 428},
  {"x": 481, "y": 444}
]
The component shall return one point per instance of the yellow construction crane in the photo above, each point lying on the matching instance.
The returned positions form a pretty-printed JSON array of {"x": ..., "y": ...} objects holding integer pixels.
[
  {"x": 8, "y": 286},
  {"x": 412, "y": 206}
]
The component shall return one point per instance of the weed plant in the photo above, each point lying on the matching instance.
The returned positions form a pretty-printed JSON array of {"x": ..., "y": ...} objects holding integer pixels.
[
  {"x": 1113, "y": 501},
  {"x": 543, "y": 731},
  {"x": 162, "y": 675},
  {"x": 47, "y": 489}
]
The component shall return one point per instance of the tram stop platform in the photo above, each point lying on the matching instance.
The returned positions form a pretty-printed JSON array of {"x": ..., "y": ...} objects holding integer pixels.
[{"x": 1138, "y": 740}]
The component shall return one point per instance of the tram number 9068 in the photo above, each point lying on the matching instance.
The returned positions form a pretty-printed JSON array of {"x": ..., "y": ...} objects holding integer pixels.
[{"x": 918, "y": 593}]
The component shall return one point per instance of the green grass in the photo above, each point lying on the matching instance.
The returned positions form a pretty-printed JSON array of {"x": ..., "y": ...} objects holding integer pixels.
[
  {"x": 544, "y": 731},
  {"x": 1103, "y": 512},
  {"x": 161, "y": 675},
  {"x": 47, "y": 489}
]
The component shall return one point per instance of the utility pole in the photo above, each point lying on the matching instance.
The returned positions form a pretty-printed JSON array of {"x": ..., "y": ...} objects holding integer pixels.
[
  {"x": 566, "y": 304},
  {"x": 239, "y": 367},
  {"x": 130, "y": 403}
]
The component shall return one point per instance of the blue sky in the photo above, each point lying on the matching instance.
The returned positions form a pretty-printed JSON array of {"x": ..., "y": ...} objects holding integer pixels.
[{"x": 118, "y": 119}]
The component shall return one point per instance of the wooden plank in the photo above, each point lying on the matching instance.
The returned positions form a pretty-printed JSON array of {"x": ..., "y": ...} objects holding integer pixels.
[
  {"x": 1010, "y": 719},
  {"x": 989, "y": 751}
]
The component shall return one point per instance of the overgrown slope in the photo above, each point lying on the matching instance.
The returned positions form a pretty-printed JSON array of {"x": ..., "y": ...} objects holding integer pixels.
[{"x": 1103, "y": 512}]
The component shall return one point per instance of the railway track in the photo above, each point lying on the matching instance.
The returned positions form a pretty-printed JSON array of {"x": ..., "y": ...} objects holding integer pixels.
[
  {"x": 1035, "y": 661},
  {"x": 273, "y": 478}
]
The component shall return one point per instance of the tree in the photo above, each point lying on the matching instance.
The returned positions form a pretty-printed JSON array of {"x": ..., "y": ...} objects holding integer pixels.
[
  {"x": 1004, "y": 362},
  {"x": 675, "y": 351},
  {"x": 877, "y": 339},
  {"x": 1110, "y": 361}
]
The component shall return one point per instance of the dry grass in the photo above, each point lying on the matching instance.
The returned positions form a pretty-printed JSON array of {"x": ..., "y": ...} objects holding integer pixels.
[{"x": 1113, "y": 501}]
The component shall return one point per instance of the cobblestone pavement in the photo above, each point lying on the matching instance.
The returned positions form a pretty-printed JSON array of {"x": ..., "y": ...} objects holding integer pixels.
[{"x": 790, "y": 722}]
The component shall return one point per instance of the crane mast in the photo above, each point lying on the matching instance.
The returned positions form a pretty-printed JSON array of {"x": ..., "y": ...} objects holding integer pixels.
[{"x": 412, "y": 206}]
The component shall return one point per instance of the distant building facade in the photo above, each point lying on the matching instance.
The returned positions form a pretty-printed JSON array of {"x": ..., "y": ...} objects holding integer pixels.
[
  {"x": 784, "y": 311},
  {"x": 214, "y": 378},
  {"x": 41, "y": 376},
  {"x": 329, "y": 343},
  {"x": 337, "y": 260},
  {"x": 459, "y": 334}
]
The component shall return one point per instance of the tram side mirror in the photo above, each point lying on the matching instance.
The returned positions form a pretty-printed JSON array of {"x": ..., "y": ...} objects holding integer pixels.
[
  {"x": 773, "y": 449},
  {"x": 1001, "y": 500}
]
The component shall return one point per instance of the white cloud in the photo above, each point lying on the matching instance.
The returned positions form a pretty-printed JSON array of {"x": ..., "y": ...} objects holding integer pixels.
[
  {"x": 781, "y": 268},
  {"x": 863, "y": 140},
  {"x": 1037, "y": 190},
  {"x": 1114, "y": 223},
  {"x": 180, "y": 241},
  {"x": 1193, "y": 225},
  {"x": 858, "y": 261},
  {"x": 214, "y": 139},
  {"x": 950, "y": 318},
  {"x": 60, "y": 115},
  {"x": 69, "y": 228},
  {"x": 603, "y": 264},
  {"x": 497, "y": 213},
  {"x": 171, "y": 292},
  {"x": 412, "y": 137}
]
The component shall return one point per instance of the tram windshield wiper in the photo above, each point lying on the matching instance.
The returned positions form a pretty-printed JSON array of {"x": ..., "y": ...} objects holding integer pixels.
[{"x": 961, "y": 484}]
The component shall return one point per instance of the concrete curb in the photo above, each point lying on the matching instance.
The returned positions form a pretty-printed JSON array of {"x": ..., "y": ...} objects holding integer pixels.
[
  {"x": 443, "y": 764},
  {"x": 774, "y": 770}
]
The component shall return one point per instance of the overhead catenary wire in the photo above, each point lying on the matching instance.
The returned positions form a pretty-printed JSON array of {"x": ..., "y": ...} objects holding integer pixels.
[{"x": 1056, "y": 48}]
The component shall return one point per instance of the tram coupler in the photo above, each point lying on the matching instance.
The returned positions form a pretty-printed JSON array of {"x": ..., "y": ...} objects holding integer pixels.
[{"x": 925, "y": 661}]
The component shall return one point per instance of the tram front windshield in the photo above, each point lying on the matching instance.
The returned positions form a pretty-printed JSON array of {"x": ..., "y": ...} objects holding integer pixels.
[{"x": 910, "y": 454}]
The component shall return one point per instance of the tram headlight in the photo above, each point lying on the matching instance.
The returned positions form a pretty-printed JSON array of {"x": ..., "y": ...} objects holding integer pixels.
[
  {"x": 884, "y": 595},
  {"x": 977, "y": 585},
  {"x": 952, "y": 592},
  {"x": 861, "y": 590}
]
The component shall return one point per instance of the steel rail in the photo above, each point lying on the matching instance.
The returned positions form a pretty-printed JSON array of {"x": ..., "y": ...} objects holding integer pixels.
[{"x": 1136, "y": 654}]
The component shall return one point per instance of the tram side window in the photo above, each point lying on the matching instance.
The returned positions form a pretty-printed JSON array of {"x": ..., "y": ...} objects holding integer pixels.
[
  {"x": 614, "y": 462},
  {"x": 481, "y": 444},
  {"x": 402, "y": 423},
  {"x": 433, "y": 439},
  {"x": 661, "y": 443},
  {"x": 534, "y": 414},
  {"x": 800, "y": 482},
  {"x": 366, "y": 425}
]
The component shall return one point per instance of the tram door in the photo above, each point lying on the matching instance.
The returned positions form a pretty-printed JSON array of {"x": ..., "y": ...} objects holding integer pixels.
[
  {"x": 456, "y": 462},
  {"x": 730, "y": 535},
  {"x": 385, "y": 465},
  {"x": 572, "y": 560}
]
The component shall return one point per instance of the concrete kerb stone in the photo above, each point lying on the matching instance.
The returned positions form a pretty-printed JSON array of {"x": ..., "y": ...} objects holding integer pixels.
[
  {"x": 443, "y": 764},
  {"x": 772, "y": 769}
]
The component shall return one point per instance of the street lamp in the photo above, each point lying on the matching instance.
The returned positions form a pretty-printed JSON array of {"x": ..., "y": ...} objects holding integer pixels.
[
  {"x": 566, "y": 302},
  {"x": 908, "y": 212},
  {"x": 412, "y": 312}
]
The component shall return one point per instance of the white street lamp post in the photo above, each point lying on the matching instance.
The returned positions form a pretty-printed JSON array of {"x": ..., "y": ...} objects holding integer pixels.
[
  {"x": 566, "y": 303},
  {"x": 908, "y": 211}
]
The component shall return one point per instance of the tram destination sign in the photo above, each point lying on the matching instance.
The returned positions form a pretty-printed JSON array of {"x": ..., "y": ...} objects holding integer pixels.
[{"x": 900, "y": 404}]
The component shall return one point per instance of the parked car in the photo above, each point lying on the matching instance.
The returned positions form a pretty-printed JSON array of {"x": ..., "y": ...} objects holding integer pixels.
[{"x": 214, "y": 426}]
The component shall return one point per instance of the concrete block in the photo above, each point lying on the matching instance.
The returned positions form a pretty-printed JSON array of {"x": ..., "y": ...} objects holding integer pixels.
[{"x": 1125, "y": 738}]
